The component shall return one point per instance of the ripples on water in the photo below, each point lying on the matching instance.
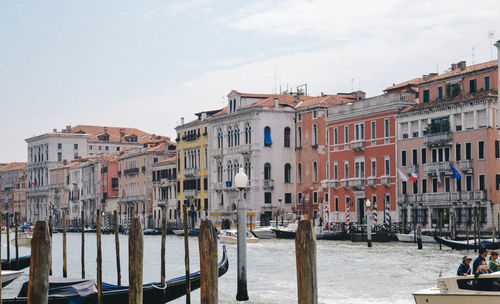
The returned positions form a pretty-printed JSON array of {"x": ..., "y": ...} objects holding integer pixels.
[{"x": 347, "y": 272}]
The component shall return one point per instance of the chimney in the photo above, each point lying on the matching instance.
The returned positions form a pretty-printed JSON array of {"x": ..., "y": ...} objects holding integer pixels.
[
  {"x": 182, "y": 121},
  {"x": 276, "y": 102},
  {"x": 453, "y": 66},
  {"x": 68, "y": 129},
  {"x": 54, "y": 130},
  {"x": 432, "y": 75},
  {"x": 203, "y": 116},
  {"x": 105, "y": 129},
  {"x": 425, "y": 77},
  {"x": 462, "y": 65}
]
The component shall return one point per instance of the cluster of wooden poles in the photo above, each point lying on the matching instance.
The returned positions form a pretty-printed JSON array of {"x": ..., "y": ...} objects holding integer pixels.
[
  {"x": 41, "y": 260},
  {"x": 8, "y": 245}
]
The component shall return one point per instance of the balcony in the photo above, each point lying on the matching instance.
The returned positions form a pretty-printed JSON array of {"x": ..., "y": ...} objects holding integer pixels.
[
  {"x": 218, "y": 152},
  {"x": 357, "y": 183},
  {"x": 431, "y": 168},
  {"x": 372, "y": 181},
  {"x": 219, "y": 186},
  {"x": 190, "y": 171},
  {"x": 268, "y": 183},
  {"x": 134, "y": 198},
  {"x": 357, "y": 145},
  {"x": 190, "y": 193},
  {"x": 466, "y": 166},
  {"x": 344, "y": 183},
  {"x": 385, "y": 180},
  {"x": 479, "y": 195},
  {"x": 438, "y": 139},
  {"x": 412, "y": 168},
  {"x": 131, "y": 171}
]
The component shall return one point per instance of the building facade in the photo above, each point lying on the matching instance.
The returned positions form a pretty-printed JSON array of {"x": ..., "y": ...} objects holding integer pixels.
[
  {"x": 165, "y": 191},
  {"x": 454, "y": 126}
]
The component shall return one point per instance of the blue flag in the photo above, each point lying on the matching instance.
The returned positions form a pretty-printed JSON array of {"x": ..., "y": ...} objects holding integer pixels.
[{"x": 456, "y": 175}]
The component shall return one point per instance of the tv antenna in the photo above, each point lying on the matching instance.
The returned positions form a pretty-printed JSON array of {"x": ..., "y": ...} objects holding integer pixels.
[{"x": 491, "y": 33}]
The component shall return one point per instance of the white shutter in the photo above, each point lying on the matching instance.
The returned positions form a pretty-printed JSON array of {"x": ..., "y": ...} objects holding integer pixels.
[
  {"x": 469, "y": 120},
  {"x": 482, "y": 118}
]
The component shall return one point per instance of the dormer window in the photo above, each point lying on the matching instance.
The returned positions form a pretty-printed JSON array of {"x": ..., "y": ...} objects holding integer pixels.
[
  {"x": 131, "y": 138},
  {"x": 104, "y": 137},
  {"x": 232, "y": 105}
]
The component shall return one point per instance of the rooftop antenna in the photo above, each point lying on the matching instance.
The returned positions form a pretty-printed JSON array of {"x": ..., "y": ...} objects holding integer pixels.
[
  {"x": 491, "y": 33},
  {"x": 473, "y": 48}
]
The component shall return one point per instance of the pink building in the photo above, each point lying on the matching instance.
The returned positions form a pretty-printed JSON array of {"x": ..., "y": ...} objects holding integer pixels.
[{"x": 455, "y": 124}]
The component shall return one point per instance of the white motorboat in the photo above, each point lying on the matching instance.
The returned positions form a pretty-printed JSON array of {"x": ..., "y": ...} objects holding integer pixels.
[
  {"x": 23, "y": 239},
  {"x": 411, "y": 238},
  {"x": 230, "y": 237},
  {"x": 266, "y": 232},
  {"x": 9, "y": 276},
  {"x": 462, "y": 290}
]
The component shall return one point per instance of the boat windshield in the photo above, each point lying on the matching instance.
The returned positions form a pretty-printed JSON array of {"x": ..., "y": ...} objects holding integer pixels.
[{"x": 480, "y": 284}]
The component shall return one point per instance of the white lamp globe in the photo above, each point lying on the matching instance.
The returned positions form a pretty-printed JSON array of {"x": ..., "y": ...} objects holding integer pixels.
[
  {"x": 241, "y": 179},
  {"x": 368, "y": 203}
]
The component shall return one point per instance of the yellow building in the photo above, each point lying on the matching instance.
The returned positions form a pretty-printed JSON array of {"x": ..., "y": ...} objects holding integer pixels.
[{"x": 192, "y": 168}]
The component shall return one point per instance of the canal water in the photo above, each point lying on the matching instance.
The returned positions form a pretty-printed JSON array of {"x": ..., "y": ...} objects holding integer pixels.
[{"x": 347, "y": 272}]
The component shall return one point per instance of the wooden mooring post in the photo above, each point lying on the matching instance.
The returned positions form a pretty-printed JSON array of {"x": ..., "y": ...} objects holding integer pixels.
[
  {"x": 135, "y": 259},
  {"x": 7, "y": 231},
  {"x": 17, "y": 245},
  {"x": 186, "y": 254},
  {"x": 440, "y": 225},
  {"x": 65, "y": 257},
  {"x": 305, "y": 252},
  {"x": 99, "y": 257},
  {"x": 163, "y": 240},
  {"x": 83, "y": 244},
  {"x": 475, "y": 230},
  {"x": 207, "y": 242},
  {"x": 117, "y": 248},
  {"x": 419, "y": 237},
  {"x": 51, "y": 226},
  {"x": 38, "y": 284}
]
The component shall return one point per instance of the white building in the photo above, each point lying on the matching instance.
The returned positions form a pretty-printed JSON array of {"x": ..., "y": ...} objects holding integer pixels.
[{"x": 254, "y": 132}]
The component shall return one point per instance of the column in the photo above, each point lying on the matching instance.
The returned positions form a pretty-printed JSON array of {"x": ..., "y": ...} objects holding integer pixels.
[
  {"x": 463, "y": 121},
  {"x": 420, "y": 133},
  {"x": 452, "y": 122},
  {"x": 476, "y": 122}
]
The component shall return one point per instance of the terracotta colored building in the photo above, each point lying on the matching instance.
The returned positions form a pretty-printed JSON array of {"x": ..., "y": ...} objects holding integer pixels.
[
  {"x": 362, "y": 146},
  {"x": 311, "y": 154},
  {"x": 108, "y": 183},
  {"x": 456, "y": 124}
]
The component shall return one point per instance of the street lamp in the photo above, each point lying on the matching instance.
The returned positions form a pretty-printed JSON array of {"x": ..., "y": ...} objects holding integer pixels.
[
  {"x": 280, "y": 211},
  {"x": 368, "y": 224},
  {"x": 241, "y": 182}
]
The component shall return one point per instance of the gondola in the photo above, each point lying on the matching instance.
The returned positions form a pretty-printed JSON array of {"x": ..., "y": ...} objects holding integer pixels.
[
  {"x": 331, "y": 235},
  {"x": 24, "y": 262},
  {"x": 66, "y": 291},
  {"x": 462, "y": 245}
]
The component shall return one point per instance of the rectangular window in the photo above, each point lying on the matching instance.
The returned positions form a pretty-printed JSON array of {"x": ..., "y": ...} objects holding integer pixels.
[
  {"x": 468, "y": 151},
  {"x": 415, "y": 187},
  {"x": 107, "y": 148},
  {"x": 346, "y": 134},
  {"x": 447, "y": 184},
  {"x": 480, "y": 150},
  {"x": 424, "y": 155},
  {"x": 434, "y": 185},
  {"x": 414, "y": 157},
  {"x": 99, "y": 148},
  {"x": 440, "y": 93},
  {"x": 374, "y": 167},
  {"x": 75, "y": 146},
  {"x": 346, "y": 170},
  {"x": 424, "y": 185},
  {"x": 59, "y": 156},
  {"x": 403, "y": 187},
  {"x": 326, "y": 198},
  {"x": 335, "y": 171},
  {"x": 205, "y": 183},
  {"x": 487, "y": 83},
  {"x": 387, "y": 166},
  {"x": 359, "y": 131},
  {"x": 299, "y": 198},
  {"x": 117, "y": 148},
  {"x": 299, "y": 117},
  {"x": 426, "y": 96},
  {"x": 386, "y": 128},
  {"x": 75, "y": 155},
  {"x": 472, "y": 86},
  {"x": 374, "y": 130},
  {"x": 482, "y": 182},
  {"x": 459, "y": 185},
  {"x": 59, "y": 146},
  {"x": 335, "y": 136},
  {"x": 434, "y": 155},
  {"x": 446, "y": 154},
  {"x": 288, "y": 198},
  {"x": 440, "y": 154},
  {"x": 315, "y": 114},
  {"x": 468, "y": 183},
  {"x": 403, "y": 158},
  {"x": 315, "y": 197},
  {"x": 497, "y": 149},
  {"x": 268, "y": 198},
  {"x": 458, "y": 152},
  {"x": 497, "y": 181},
  {"x": 336, "y": 203}
]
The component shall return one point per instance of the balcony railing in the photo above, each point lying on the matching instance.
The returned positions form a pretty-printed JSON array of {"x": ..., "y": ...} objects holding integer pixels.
[
  {"x": 344, "y": 183},
  {"x": 357, "y": 183},
  {"x": 466, "y": 165},
  {"x": 371, "y": 181},
  {"x": 385, "y": 180},
  {"x": 131, "y": 171},
  {"x": 190, "y": 171},
  {"x": 268, "y": 183},
  {"x": 431, "y": 168},
  {"x": 412, "y": 168},
  {"x": 440, "y": 198},
  {"x": 479, "y": 195},
  {"x": 438, "y": 139},
  {"x": 219, "y": 186},
  {"x": 358, "y": 144},
  {"x": 190, "y": 193}
]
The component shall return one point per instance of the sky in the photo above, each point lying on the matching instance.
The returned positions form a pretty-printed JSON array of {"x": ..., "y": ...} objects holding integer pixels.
[{"x": 146, "y": 64}]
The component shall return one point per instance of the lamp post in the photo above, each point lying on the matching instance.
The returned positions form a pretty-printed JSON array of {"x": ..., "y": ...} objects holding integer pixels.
[
  {"x": 368, "y": 223},
  {"x": 241, "y": 181},
  {"x": 280, "y": 211}
]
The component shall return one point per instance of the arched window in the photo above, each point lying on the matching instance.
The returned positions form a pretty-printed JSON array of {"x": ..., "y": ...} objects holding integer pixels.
[
  {"x": 315, "y": 135},
  {"x": 220, "y": 139},
  {"x": 267, "y": 171},
  {"x": 249, "y": 134},
  {"x": 299, "y": 172},
  {"x": 236, "y": 135},
  {"x": 288, "y": 171},
  {"x": 267, "y": 137},
  {"x": 229, "y": 137},
  {"x": 229, "y": 171},
  {"x": 287, "y": 137},
  {"x": 248, "y": 169},
  {"x": 299, "y": 137},
  {"x": 219, "y": 173},
  {"x": 315, "y": 172}
]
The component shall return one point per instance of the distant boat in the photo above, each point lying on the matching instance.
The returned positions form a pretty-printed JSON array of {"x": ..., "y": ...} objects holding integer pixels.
[
  {"x": 191, "y": 232},
  {"x": 23, "y": 239},
  {"x": 66, "y": 290},
  {"x": 266, "y": 232},
  {"x": 24, "y": 262},
  {"x": 410, "y": 238},
  {"x": 286, "y": 233},
  {"x": 462, "y": 245},
  {"x": 9, "y": 276},
  {"x": 230, "y": 237},
  {"x": 330, "y": 235}
]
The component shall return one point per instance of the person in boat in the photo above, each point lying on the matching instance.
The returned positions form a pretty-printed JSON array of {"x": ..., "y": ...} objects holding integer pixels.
[
  {"x": 464, "y": 268},
  {"x": 494, "y": 264},
  {"x": 483, "y": 253}
]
